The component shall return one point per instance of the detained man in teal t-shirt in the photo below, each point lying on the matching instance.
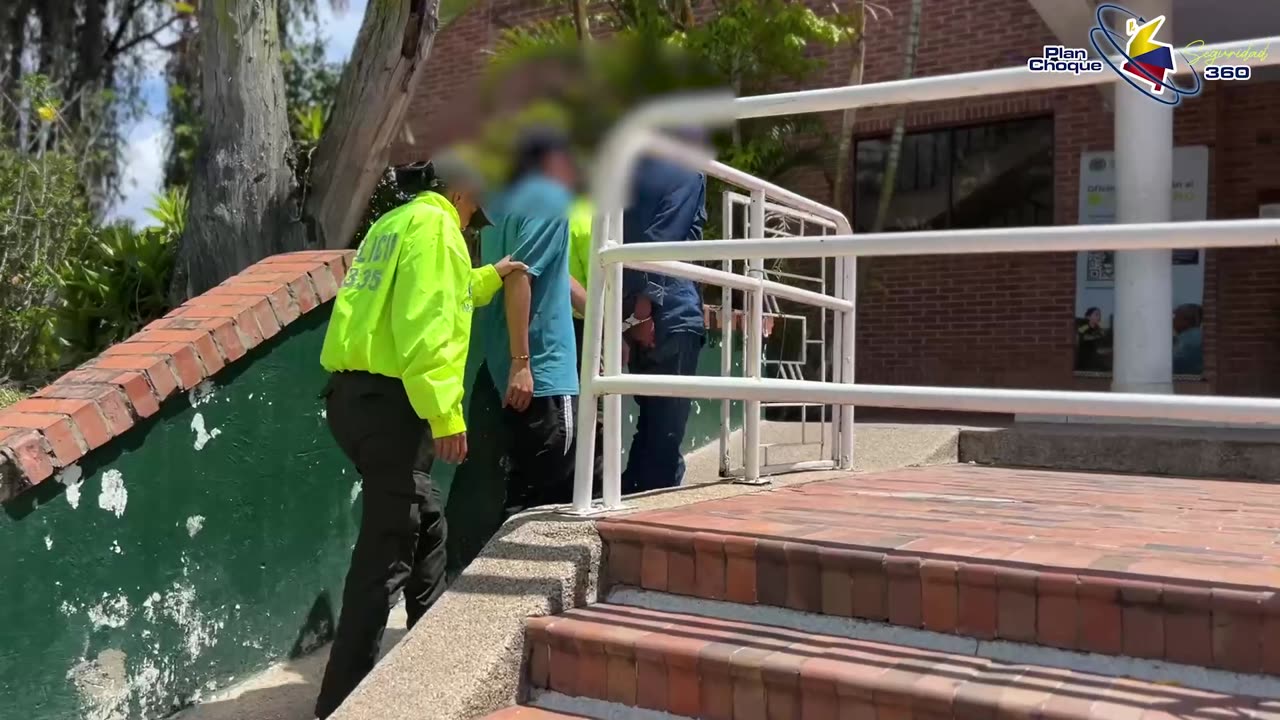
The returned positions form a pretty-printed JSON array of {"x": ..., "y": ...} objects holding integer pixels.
[{"x": 530, "y": 351}]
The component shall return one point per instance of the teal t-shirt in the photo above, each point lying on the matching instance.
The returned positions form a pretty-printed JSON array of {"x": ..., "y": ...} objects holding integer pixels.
[{"x": 531, "y": 224}]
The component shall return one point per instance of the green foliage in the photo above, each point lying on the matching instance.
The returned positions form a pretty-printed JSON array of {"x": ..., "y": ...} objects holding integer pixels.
[
  {"x": 751, "y": 42},
  {"x": 184, "y": 136},
  {"x": 310, "y": 80},
  {"x": 45, "y": 217},
  {"x": 10, "y": 395},
  {"x": 120, "y": 282}
]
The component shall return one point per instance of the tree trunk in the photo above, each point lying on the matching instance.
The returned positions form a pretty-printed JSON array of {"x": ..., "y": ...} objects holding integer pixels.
[
  {"x": 57, "y": 33},
  {"x": 849, "y": 118},
  {"x": 184, "y": 117},
  {"x": 581, "y": 21},
  {"x": 899, "y": 123},
  {"x": 389, "y": 58},
  {"x": 92, "y": 45},
  {"x": 242, "y": 192},
  {"x": 13, "y": 45}
]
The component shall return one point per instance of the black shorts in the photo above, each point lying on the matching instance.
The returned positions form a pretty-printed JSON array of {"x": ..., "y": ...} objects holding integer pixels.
[
  {"x": 542, "y": 449},
  {"x": 542, "y": 452}
]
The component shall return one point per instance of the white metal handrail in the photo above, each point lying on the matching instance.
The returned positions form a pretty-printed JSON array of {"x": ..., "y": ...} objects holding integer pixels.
[
  {"x": 751, "y": 471},
  {"x": 788, "y": 211},
  {"x": 743, "y": 282},
  {"x": 1196, "y": 408},
  {"x": 636, "y": 135},
  {"x": 1060, "y": 238}
]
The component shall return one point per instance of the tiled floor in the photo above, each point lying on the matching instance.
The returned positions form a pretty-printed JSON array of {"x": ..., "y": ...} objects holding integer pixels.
[{"x": 1216, "y": 532}]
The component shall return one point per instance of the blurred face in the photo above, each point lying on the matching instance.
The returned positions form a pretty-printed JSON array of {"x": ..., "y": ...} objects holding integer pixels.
[
  {"x": 1182, "y": 321},
  {"x": 465, "y": 202},
  {"x": 559, "y": 166}
]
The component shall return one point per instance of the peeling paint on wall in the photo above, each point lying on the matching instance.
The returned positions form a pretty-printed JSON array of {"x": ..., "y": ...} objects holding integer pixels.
[
  {"x": 179, "y": 605},
  {"x": 114, "y": 497},
  {"x": 134, "y": 617},
  {"x": 108, "y": 691},
  {"x": 201, "y": 393},
  {"x": 72, "y": 477},
  {"x": 202, "y": 436},
  {"x": 103, "y": 684},
  {"x": 111, "y": 612}
]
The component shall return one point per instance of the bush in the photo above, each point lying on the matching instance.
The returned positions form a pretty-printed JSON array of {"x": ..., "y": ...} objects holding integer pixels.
[
  {"x": 119, "y": 283},
  {"x": 44, "y": 219}
]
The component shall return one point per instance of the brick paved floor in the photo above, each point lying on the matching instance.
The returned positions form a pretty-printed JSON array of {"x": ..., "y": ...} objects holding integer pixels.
[{"x": 1214, "y": 532}]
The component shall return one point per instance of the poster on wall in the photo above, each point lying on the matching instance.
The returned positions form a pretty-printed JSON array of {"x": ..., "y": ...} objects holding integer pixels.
[{"x": 1095, "y": 270}]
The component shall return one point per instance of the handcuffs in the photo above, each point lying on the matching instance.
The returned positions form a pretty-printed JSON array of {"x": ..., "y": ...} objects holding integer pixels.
[{"x": 633, "y": 321}]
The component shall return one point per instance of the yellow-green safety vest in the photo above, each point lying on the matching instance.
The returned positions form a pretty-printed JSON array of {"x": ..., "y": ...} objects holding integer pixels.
[
  {"x": 404, "y": 308},
  {"x": 580, "y": 218}
]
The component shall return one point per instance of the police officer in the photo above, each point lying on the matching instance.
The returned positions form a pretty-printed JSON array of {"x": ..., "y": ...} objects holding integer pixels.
[{"x": 397, "y": 347}]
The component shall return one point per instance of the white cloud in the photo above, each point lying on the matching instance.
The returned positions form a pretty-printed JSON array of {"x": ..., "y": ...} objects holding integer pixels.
[{"x": 143, "y": 169}]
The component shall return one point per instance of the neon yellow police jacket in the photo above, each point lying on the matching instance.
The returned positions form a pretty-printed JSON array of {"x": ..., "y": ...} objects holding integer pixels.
[
  {"x": 404, "y": 308},
  {"x": 581, "y": 216}
]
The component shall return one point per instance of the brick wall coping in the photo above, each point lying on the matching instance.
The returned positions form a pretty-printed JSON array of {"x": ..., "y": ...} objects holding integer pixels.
[{"x": 102, "y": 399}]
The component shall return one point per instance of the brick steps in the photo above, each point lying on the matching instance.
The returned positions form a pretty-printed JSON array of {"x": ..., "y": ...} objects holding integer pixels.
[
  {"x": 702, "y": 667},
  {"x": 1063, "y": 560},
  {"x": 1145, "y": 617}
]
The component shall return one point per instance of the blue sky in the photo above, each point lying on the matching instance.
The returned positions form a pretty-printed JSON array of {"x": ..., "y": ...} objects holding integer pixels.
[{"x": 144, "y": 154}]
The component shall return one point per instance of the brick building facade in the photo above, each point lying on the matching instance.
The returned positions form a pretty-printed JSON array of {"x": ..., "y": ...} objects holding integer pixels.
[{"x": 999, "y": 320}]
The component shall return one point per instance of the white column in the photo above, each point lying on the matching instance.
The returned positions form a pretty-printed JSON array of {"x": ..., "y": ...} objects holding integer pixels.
[{"x": 1143, "y": 346}]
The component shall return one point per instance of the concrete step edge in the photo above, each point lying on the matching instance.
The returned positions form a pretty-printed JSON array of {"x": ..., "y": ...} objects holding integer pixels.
[
  {"x": 697, "y": 666},
  {"x": 1177, "y": 620},
  {"x": 1207, "y": 453}
]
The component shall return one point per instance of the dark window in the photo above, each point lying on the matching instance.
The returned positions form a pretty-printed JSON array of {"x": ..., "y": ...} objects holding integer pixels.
[{"x": 997, "y": 175}]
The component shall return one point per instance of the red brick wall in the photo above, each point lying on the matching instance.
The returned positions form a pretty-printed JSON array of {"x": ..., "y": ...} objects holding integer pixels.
[{"x": 1000, "y": 320}]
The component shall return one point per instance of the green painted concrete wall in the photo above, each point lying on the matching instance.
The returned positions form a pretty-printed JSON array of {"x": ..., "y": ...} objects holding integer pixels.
[{"x": 207, "y": 543}]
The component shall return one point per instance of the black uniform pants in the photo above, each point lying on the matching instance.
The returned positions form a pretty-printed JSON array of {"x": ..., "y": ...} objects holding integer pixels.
[{"x": 402, "y": 527}]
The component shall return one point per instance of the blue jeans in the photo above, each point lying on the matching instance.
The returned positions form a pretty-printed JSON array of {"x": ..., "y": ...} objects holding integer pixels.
[{"x": 655, "y": 459}]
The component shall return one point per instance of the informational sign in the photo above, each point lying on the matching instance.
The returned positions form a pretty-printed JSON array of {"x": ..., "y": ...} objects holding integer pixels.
[{"x": 1095, "y": 270}]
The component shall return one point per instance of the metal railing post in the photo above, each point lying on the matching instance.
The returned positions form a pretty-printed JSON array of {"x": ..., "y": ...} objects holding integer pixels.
[
  {"x": 837, "y": 363},
  {"x": 848, "y": 347},
  {"x": 752, "y": 362},
  {"x": 584, "y": 463},
  {"x": 612, "y": 482},
  {"x": 728, "y": 209}
]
